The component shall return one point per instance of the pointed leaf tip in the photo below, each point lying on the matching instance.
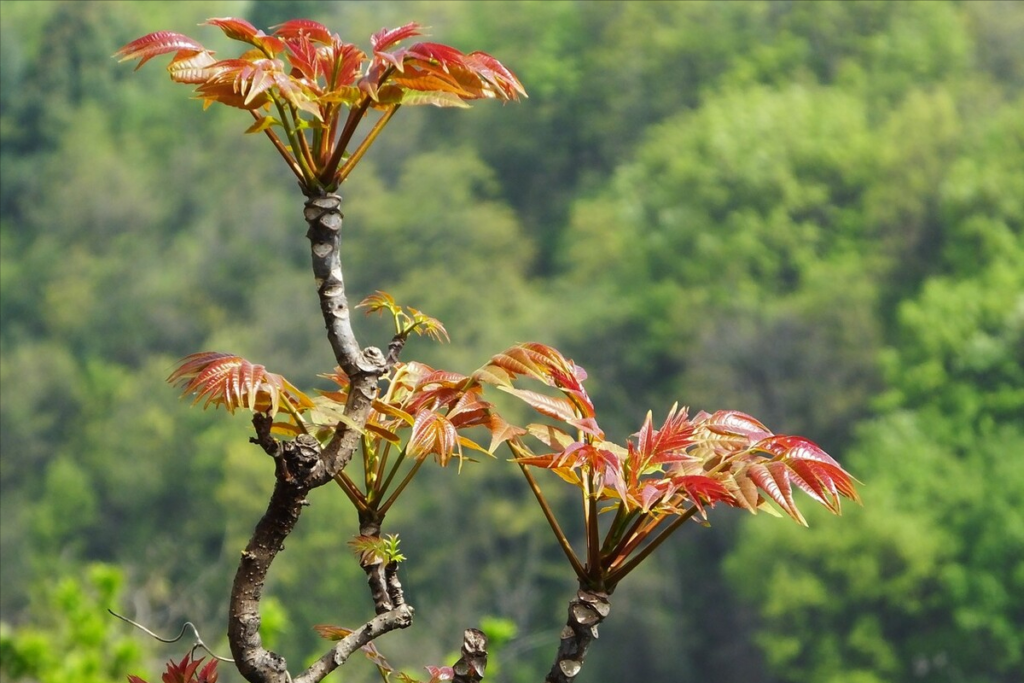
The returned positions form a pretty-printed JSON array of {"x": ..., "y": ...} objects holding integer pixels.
[{"x": 155, "y": 44}]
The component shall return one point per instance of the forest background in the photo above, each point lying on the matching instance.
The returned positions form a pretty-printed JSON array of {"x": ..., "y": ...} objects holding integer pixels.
[{"x": 809, "y": 211}]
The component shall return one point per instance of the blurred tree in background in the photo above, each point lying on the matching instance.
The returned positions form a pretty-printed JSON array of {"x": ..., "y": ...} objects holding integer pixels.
[{"x": 813, "y": 212}]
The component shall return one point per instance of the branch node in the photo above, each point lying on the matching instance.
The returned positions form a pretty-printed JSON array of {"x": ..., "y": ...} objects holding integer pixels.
[
  {"x": 473, "y": 663},
  {"x": 372, "y": 361},
  {"x": 570, "y": 667},
  {"x": 586, "y": 611}
]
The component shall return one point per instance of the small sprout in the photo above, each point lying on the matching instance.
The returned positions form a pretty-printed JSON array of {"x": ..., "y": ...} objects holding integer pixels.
[{"x": 373, "y": 549}]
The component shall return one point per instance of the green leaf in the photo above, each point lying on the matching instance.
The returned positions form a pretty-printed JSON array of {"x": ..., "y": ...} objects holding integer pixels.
[
  {"x": 261, "y": 124},
  {"x": 436, "y": 98}
]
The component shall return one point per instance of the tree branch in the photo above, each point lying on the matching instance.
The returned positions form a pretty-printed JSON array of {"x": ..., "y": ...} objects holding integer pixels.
[
  {"x": 364, "y": 367},
  {"x": 400, "y": 617},
  {"x": 299, "y": 469},
  {"x": 586, "y": 611},
  {"x": 302, "y": 465}
]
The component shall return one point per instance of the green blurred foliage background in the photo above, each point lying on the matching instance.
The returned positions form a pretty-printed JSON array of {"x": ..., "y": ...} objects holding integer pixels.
[{"x": 809, "y": 211}]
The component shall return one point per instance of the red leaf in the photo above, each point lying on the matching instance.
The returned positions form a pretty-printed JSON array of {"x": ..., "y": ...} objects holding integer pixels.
[
  {"x": 735, "y": 423},
  {"x": 185, "y": 672},
  {"x": 820, "y": 474},
  {"x": 436, "y": 52},
  {"x": 241, "y": 82},
  {"x": 497, "y": 74},
  {"x": 743, "y": 490},
  {"x": 588, "y": 425},
  {"x": 209, "y": 672},
  {"x": 344, "y": 61},
  {"x": 470, "y": 410},
  {"x": 501, "y": 431},
  {"x": 773, "y": 479},
  {"x": 304, "y": 58},
  {"x": 818, "y": 482},
  {"x": 576, "y": 455},
  {"x": 294, "y": 28},
  {"x": 540, "y": 362},
  {"x": 242, "y": 30},
  {"x": 515, "y": 362},
  {"x": 552, "y": 437},
  {"x": 432, "y": 434},
  {"x": 385, "y": 38},
  {"x": 703, "y": 490},
  {"x": 653, "y": 492},
  {"x": 444, "y": 378},
  {"x": 232, "y": 381},
  {"x": 667, "y": 444},
  {"x": 552, "y": 406},
  {"x": 158, "y": 43},
  {"x": 440, "y": 673},
  {"x": 295, "y": 94},
  {"x": 192, "y": 67},
  {"x": 236, "y": 29}
]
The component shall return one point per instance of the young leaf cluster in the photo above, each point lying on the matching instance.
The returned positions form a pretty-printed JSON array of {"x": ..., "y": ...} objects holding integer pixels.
[
  {"x": 419, "y": 413},
  {"x": 407, "y": 319},
  {"x": 661, "y": 477},
  {"x": 308, "y": 92},
  {"x": 186, "y": 671},
  {"x": 315, "y": 88}
]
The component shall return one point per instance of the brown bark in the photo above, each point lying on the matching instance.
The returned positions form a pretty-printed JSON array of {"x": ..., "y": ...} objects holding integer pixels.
[
  {"x": 299, "y": 469},
  {"x": 586, "y": 611},
  {"x": 473, "y": 662},
  {"x": 364, "y": 367},
  {"x": 302, "y": 465}
]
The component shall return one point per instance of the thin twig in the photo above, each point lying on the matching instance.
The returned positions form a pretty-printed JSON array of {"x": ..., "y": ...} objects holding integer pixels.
[{"x": 185, "y": 627}]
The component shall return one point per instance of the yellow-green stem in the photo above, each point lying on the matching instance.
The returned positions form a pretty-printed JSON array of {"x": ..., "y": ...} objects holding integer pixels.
[
  {"x": 349, "y": 487},
  {"x": 355, "y": 114},
  {"x": 347, "y": 167},
  {"x": 629, "y": 538},
  {"x": 593, "y": 533},
  {"x": 617, "y": 575},
  {"x": 291, "y": 129},
  {"x": 382, "y": 463},
  {"x": 307, "y": 154},
  {"x": 293, "y": 411},
  {"x": 398, "y": 491},
  {"x": 617, "y": 528},
  {"x": 281, "y": 149},
  {"x": 646, "y": 527},
  {"x": 369, "y": 469},
  {"x": 394, "y": 470},
  {"x": 553, "y": 523}
]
